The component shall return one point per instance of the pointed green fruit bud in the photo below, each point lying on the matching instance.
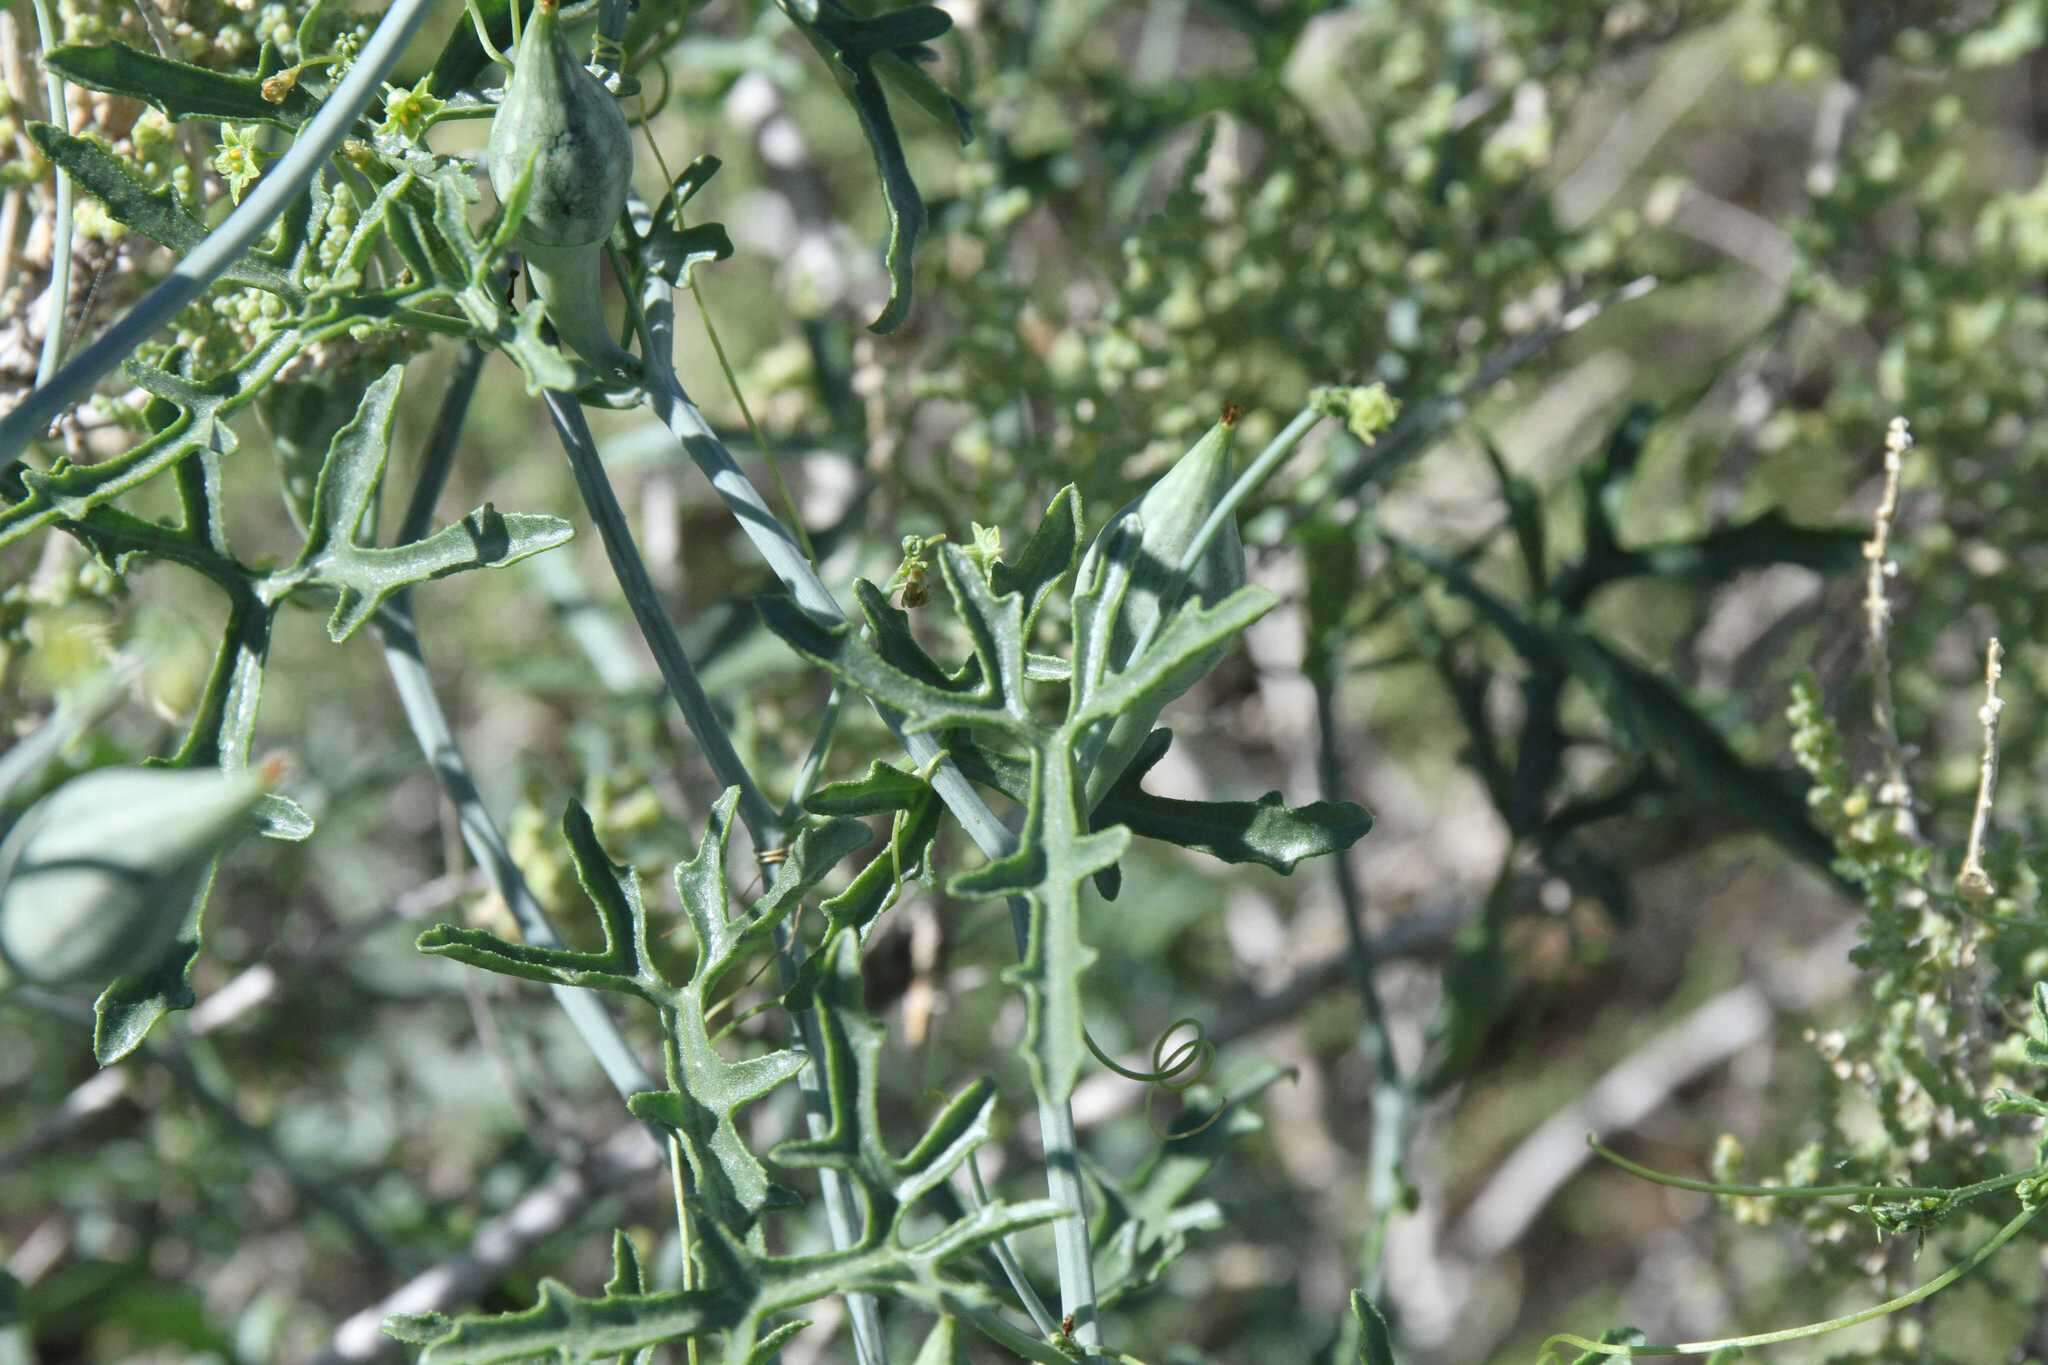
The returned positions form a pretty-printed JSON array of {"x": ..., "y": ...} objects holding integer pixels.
[
  {"x": 96, "y": 877},
  {"x": 1170, "y": 514},
  {"x": 557, "y": 115}
]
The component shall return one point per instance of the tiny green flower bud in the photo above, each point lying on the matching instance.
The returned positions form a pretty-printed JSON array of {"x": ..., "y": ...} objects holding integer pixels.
[{"x": 95, "y": 878}]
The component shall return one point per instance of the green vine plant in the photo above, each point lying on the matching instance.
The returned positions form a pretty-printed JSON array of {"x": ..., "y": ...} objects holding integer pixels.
[{"x": 357, "y": 246}]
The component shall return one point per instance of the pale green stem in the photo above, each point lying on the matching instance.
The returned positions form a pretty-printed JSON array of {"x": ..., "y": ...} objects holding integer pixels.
[
  {"x": 227, "y": 243},
  {"x": 60, "y": 239},
  {"x": 685, "y": 1243},
  {"x": 1812, "y": 1329},
  {"x": 1392, "y": 1095}
]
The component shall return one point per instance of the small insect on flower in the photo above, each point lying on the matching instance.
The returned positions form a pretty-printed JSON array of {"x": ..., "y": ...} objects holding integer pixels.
[{"x": 908, "y": 585}]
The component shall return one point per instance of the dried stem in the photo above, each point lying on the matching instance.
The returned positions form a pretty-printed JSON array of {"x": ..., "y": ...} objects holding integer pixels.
[
  {"x": 1895, "y": 790},
  {"x": 1973, "y": 881}
]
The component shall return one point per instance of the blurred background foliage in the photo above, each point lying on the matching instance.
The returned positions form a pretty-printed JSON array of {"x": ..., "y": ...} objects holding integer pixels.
[{"x": 1650, "y": 279}]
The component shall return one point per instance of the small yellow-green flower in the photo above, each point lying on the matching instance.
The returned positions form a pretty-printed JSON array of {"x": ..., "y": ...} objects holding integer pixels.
[
  {"x": 408, "y": 113},
  {"x": 238, "y": 160}
]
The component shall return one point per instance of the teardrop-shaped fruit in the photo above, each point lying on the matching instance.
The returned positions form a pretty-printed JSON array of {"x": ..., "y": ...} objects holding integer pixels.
[
  {"x": 560, "y": 117},
  {"x": 96, "y": 877}
]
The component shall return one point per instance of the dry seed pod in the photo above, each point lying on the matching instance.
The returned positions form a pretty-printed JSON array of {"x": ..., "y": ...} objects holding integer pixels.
[{"x": 95, "y": 878}]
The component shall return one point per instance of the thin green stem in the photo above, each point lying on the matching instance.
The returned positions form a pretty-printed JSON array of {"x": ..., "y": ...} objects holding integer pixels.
[
  {"x": 1812, "y": 1329},
  {"x": 1392, "y": 1095},
  {"x": 760, "y": 817},
  {"x": 227, "y": 243},
  {"x": 1959, "y": 1195},
  {"x": 436, "y": 739},
  {"x": 47, "y": 34},
  {"x": 754, "y": 428}
]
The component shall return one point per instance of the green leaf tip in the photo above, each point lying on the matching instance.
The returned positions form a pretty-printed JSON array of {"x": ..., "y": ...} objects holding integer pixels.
[{"x": 1375, "y": 1342}]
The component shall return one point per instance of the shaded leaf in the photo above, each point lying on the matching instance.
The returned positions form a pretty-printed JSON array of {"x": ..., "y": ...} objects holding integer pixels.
[
  {"x": 366, "y": 576},
  {"x": 1754, "y": 544},
  {"x": 1604, "y": 480},
  {"x": 1047, "y": 558},
  {"x": 674, "y": 248},
  {"x": 182, "y": 91},
  {"x": 853, "y": 45},
  {"x": 1525, "y": 516},
  {"x": 1652, "y": 714},
  {"x": 621, "y": 965},
  {"x": 1267, "y": 831}
]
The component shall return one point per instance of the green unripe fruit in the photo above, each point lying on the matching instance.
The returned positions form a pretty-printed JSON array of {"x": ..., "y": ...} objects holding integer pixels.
[
  {"x": 1170, "y": 514},
  {"x": 559, "y": 117},
  {"x": 96, "y": 877}
]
